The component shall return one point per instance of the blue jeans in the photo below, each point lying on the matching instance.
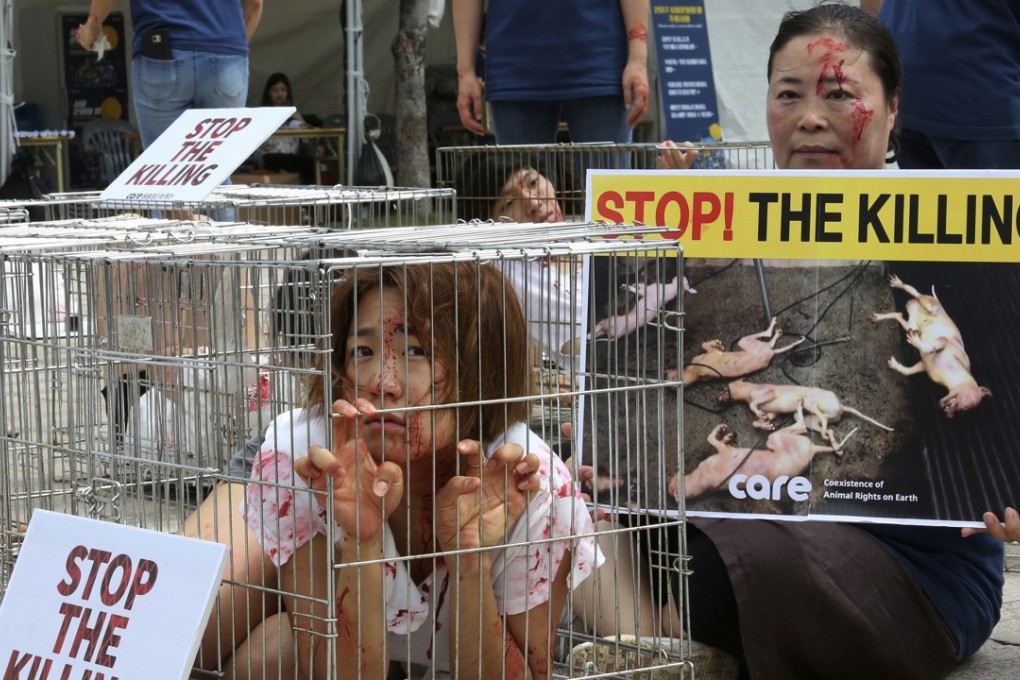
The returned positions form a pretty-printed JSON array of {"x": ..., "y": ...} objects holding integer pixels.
[
  {"x": 919, "y": 151},
  {"x": 166, "y": 88},
  {"x": 591, "y": 119}
]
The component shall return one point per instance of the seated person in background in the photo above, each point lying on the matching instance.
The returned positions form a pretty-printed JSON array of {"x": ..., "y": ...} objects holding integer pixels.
[
  {"x": 283, "y": 154},
  {"x": 277, "y": 92}
]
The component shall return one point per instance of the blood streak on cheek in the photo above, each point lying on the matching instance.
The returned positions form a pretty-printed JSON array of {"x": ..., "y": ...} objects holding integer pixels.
[
  {"x": 419, "y": 448},
  {"x": 862, "y": 115}
]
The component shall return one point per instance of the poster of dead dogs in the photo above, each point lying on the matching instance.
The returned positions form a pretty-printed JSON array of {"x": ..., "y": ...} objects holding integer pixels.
[{"x": 810, "y": 384}]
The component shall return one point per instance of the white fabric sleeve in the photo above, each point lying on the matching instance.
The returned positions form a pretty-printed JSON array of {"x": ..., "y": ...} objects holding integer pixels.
[
  {"x": 522, "y": 574},
  {"x": 283, "y": 516}
]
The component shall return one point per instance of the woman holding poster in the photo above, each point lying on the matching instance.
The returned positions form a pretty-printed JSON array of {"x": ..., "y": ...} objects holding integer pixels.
[{"x": 867, "y": 600}]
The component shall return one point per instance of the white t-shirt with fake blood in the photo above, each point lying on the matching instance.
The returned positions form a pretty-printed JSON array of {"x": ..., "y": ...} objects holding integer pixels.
[{"x": 284, "y": 516}]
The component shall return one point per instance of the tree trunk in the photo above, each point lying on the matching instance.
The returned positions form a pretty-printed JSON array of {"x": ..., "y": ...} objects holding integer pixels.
[{"x": 409, "y": 56}]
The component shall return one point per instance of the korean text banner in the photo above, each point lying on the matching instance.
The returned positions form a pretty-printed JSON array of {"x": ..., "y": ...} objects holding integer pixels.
[{"x": 917, "y": 216}]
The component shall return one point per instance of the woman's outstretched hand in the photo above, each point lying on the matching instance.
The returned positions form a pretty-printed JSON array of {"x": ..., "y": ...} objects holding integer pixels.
[
  {"x": 365, "y": 494},
  {"x": 476, "y": 509},
  {"x": 1004, "y": 531}
]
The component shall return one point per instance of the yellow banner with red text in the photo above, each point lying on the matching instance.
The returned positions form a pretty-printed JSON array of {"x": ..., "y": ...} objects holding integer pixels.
[{"x": 959, "y": 216}]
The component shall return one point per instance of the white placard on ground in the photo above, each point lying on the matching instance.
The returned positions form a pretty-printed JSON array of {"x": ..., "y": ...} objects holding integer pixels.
[
  {"x": 92, "y": 599},
  {"x": 196, "y": 153}
]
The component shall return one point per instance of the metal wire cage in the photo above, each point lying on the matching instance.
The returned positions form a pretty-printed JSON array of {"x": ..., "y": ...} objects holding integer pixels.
[
  {"x": 13, "y": 213},
  {"x": 183, "y": 353},
  {"x": 482, "y": 174},
  {"x": 337, "y": 207}
]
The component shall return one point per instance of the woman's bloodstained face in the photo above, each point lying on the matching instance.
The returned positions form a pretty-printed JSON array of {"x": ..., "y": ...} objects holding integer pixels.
[
  {"x": 528, "y": 197},
  {"x": 387, "y": 365},
  {"x": 826, "y": 107}
]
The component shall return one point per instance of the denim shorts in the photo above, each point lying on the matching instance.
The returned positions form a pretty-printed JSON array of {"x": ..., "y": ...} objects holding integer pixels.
[
  {"x": 589, "y": 119},
  {"x": 166, "y": 88}
]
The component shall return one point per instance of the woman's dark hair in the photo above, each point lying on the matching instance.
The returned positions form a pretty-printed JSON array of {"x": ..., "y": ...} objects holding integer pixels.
[
  {"x": 860, "y": 30},
  {"x": 467, "y": 316},
  {"x": 294, "y": 318},
  {"x": 481, "y": 178},
  {"x": 273, "y": 80}
]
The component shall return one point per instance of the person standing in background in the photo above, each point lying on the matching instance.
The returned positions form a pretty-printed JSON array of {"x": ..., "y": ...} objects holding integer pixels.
[
  {"x": 582, "y": 61},
  {"x": 185, "y": 54},
  {"x": 961, "y": 73}
]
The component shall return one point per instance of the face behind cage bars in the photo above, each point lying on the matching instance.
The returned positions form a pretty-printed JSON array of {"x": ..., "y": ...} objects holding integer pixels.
[{"x": 413, "y": 342}]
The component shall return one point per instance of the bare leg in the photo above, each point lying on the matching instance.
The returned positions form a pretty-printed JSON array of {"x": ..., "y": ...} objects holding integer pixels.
[
  {"x": 614, "y": 601},
  {"x": 672, "y": 626},
  {"x": 240, "y": 606},
  {"x": 267, "y": 653}
]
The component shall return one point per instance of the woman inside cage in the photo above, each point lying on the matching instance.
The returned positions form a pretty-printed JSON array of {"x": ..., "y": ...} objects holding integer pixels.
[
  {"x": 506, "y": 185},
  {"x": 493, "y": 186},
  {"x": 457, "y": 534},
  {"x": 864, "y": 600}
]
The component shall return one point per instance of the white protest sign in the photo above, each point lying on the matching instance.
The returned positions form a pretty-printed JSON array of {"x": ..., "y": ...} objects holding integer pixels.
[
  {"x": 100, "y": 601},
  {"x": 196, "y": 153}
]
